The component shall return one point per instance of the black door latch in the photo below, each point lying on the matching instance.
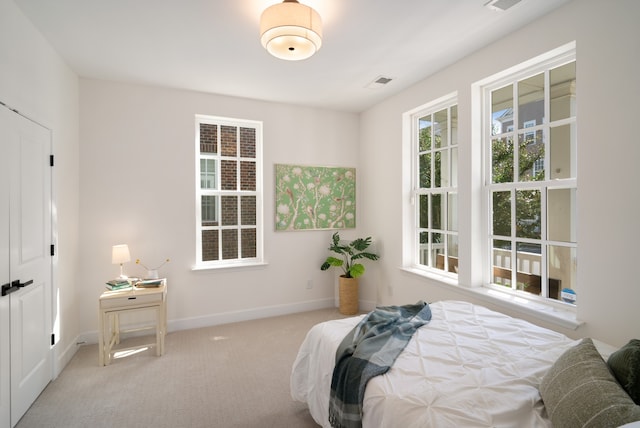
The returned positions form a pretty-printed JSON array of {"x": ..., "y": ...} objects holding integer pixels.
[{"x": 14, "y": 286}]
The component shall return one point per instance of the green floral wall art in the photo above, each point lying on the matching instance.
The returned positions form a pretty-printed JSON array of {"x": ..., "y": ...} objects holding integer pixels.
[{"x": 315, "y": 197}]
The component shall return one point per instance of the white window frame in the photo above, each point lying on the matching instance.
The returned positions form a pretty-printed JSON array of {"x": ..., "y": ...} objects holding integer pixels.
[
  {"x": 199, "y": 191},
  {"x": 556, "y": 58},
  {"x": 475, "y": 257},
  {"x": 411, "y": 244}
]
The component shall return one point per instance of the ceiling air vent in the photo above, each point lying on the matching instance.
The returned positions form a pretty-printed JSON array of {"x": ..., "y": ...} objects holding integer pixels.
[
  {"x": 379, "y": 82},
  {"x": 501, "y": 5}
]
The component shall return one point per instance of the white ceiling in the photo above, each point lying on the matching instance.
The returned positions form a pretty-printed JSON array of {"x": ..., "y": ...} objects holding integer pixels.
[{"x": 214, "y": 46}]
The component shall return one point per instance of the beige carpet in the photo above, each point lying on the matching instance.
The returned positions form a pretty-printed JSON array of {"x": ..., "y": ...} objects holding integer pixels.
[{"x": 233, "y": 375}]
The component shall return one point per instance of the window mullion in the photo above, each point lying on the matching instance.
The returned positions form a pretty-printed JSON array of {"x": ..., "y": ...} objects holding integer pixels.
[
  {"x": 544, "y": 282},
  {"x": 238, "y": 197},
  {"x": 514, "y": 242},
  {"x": 516, "y": 133},
  {"x": 219, "y": 188}
]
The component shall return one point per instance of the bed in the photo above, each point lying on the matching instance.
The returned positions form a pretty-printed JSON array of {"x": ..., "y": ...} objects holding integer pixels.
[{"x": 468, "y": 367}]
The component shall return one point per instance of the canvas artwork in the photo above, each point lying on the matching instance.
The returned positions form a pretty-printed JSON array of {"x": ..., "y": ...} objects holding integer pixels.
[{"x": 315, "y": 197}]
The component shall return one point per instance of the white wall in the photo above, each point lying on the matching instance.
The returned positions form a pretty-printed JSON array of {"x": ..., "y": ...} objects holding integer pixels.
[
  {"x": 608, "y": 62},
  {"x": 138, "y": 187},
  {"x": 36, "y": 82},
  {"x": 135, "y": 183}
]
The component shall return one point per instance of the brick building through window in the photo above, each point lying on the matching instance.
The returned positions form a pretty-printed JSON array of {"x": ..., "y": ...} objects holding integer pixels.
[{"x": 228, "y": 203}]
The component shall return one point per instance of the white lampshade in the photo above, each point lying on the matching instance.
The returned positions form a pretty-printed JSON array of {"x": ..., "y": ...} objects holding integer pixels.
[
  {"x": 290, "y": 30},
  {"x": 120, "y": 254}
]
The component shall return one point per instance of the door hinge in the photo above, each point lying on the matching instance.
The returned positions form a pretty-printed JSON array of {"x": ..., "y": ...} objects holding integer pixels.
[
  {"x": 53, "y": 250},
  {"x": 53, "y": 339},
  {"x": 51, "y": 160}
]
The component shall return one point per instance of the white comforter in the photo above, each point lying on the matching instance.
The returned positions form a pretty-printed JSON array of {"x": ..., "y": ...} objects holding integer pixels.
[{"x": 468, "y": 367}]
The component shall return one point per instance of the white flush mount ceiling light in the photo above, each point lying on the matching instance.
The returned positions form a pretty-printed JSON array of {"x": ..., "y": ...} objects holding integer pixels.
[{"x": 290, "y": 30}]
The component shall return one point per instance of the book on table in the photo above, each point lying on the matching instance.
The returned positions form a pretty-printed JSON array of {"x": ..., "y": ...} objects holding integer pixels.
[
  {"x": 118, "y": 284},
  {"x": 148, "y": 283}
]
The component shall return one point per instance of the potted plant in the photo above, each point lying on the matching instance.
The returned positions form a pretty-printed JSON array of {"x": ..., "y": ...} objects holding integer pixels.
[{"x": 348, "y": 281}]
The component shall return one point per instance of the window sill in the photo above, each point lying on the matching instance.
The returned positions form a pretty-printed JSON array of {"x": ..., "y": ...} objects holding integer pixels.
[
  {"x": 565, "y": 318},
  {"x": 230, "y": 265}
]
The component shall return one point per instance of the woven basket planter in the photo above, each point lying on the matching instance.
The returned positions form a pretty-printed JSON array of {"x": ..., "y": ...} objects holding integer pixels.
[{"x": 348, "y": 288}]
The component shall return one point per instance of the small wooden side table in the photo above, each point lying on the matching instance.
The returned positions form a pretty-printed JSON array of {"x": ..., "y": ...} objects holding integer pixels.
[{"x": 114, "y": 303}]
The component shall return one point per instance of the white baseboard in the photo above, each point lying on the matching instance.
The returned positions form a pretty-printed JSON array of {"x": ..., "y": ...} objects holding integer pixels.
[
  {"x": 61, "y": 357},
  {"x": 230, "y": 317},
  {"x": 249, "y": 314}
]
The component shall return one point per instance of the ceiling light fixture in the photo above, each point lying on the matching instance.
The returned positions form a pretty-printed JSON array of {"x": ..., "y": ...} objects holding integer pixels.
[{"x": 290, "y": 30}]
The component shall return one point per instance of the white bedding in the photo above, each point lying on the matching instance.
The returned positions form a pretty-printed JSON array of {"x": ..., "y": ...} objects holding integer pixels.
[{"x": 468, "y": 367}]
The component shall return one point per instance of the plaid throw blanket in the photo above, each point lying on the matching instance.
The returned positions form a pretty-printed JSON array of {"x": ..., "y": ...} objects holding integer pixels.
[{"x": 369, "y": 350}]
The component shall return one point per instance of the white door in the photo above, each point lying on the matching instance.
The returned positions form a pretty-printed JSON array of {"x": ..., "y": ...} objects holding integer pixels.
[
  {"x": 5, "y": 279},
  {"x": 29, "y": 146}
]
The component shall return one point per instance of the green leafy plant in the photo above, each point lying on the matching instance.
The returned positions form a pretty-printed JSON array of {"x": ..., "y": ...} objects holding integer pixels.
[{"x": 350, "y": 252}]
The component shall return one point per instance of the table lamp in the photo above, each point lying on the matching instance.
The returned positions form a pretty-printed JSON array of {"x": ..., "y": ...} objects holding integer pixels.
[{"x": 119, "y": 255}]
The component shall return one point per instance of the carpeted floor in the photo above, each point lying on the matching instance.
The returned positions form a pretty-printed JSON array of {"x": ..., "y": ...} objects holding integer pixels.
[{"x": 233, "y": 375}]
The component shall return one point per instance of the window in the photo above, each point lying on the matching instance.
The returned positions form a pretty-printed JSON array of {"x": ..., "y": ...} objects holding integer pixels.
[
  {"x": 530, "y": 179},
  {"x": 228, "y": 191},
  {"x": 434, "y": 231},
  {"x": 528, "y": 124}
]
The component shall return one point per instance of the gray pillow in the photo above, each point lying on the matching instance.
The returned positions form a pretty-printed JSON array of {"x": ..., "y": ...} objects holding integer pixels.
[
  {"x": 580, "y": 391},
  {"x": 625, "y": 365}
]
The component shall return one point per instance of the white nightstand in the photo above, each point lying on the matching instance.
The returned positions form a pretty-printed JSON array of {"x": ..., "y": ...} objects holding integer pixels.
[{"x": 114, "y": 303}]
